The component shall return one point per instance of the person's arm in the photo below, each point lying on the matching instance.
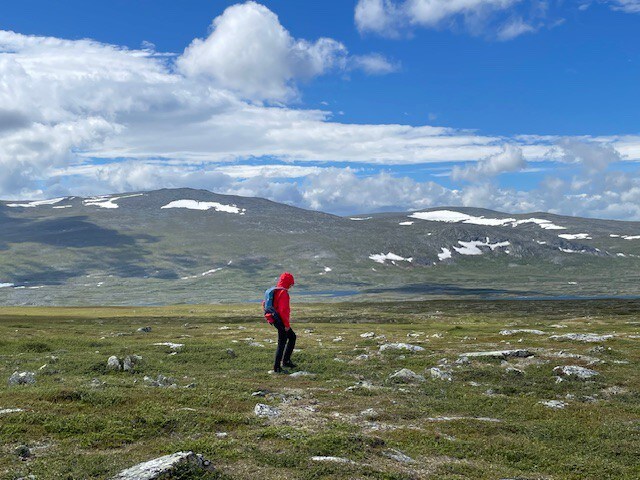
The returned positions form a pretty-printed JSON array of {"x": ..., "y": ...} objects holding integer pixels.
[{"x": 284, "y": 309}]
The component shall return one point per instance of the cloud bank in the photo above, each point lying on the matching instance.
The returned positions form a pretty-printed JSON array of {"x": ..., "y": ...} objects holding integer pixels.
[{"x": 83, "y": 117}]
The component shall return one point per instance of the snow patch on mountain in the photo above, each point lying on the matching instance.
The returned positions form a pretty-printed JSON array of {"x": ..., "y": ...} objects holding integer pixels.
[
  {"x": 37, "y": 203},
  {"x": 195, "y": 205},
  {"x": 360, "y": 218},
  {"x": 631, "y": 237},
  {"x": 446, "y": 253},
  {"x": 473, "y": 248},
  {"x": 450, "y": 216},
  {"x": 392, "y": 257},
  {"x": 406, "y": 223},
  {"x": 575, "y": 236},
  {"x": 107, "y": 201},
  {"x": 6, "y": 285}
]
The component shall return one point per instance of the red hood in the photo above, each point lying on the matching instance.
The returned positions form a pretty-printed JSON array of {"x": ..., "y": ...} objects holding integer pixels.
[{"x": 286, "y": 280}]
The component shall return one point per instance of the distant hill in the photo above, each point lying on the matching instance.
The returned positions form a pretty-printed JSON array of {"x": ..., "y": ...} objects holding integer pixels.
[{"x": 194, "y": 246}]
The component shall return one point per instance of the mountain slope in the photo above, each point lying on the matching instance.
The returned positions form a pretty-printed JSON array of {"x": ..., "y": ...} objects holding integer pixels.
[{"x": 194, "y": 246}]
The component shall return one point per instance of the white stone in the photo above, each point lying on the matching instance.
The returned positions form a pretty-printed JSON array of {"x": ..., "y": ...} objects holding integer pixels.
[
  {"x": 113, "y": 363},
  {"x": 333, "y": 459},
  {"x": 302, "y": 374},
  {"x": 498, "y": 354},
  {"x": 163, "y": 466},
  {"x": 555, "y": 404},
  {"x": 574, "y": 371},
  {"x": 22, "y": 378},
  {"x": 401, "y": 346},
  {"x": 440, "y": 374},
  {"x": 406, "y": 375},
  {"x": 4, "y": 411},
  {"x": 368, "y": 335},
  {"x": 398, "y": 456},
  {"x": 582, "y": 337},
  {"x": 262, "y": 410},
  {"x": 521, "y": 330},
  {"x": 173, "y": 346}
]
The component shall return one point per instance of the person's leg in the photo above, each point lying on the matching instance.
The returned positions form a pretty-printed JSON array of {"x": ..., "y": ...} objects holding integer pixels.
[
  {"x": 291, "y": 344},
  {"x": 282, "y": 341}
]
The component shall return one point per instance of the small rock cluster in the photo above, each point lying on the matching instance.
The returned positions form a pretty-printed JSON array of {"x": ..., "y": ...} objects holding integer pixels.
[
  {"x": 128, "y": 363},
  {"x": 22, "y": 378}
]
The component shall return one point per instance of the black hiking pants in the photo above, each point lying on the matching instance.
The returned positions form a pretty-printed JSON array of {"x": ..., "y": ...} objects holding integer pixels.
[{"x": 286, "y": 343}]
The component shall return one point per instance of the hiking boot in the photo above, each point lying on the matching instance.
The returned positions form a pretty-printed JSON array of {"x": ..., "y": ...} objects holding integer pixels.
[
  {"x": 279, "y": 370},
  {"x": 289, "y": 364}
]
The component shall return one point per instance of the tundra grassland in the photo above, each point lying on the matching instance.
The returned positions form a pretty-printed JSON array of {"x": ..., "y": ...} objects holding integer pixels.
[{"x": 82, "y": 420}]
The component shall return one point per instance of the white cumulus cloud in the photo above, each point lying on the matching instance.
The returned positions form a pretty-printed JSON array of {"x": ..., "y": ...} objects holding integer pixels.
[{"x": 248, "y": 51}]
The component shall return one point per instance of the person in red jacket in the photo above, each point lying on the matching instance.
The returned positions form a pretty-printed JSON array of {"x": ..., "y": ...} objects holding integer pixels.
[{"x": 282, "y": 322}]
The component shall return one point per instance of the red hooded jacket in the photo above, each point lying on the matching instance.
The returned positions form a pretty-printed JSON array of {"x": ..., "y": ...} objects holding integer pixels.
[{"x": 281, "y": 298}]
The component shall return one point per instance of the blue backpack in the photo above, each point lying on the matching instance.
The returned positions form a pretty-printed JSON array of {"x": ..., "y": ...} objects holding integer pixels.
[{"x": 270, "y": 313}]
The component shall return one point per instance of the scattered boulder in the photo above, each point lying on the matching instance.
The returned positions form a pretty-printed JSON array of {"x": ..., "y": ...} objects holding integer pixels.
[
  {"x": 364, "y": 356},
  {"x": 401, "y": 346},
  {"x": 160, "y": 381},
  {"x": 580, "y": 373},
  {"x": 266, "y": 411},
  {"x": 398, "y": 456},
  {"x": 582, "y": 337},
  {"x": 22, "y": 378},
  {"x": 368, "y": 335},
  {"x": 440, "y": 374},
  {"x": 338, "y": 339},
  {"x": 144, "y": 329},
  {"x": 163, "y": 467},
  {"x": 554, "y": 404},
  {"x": 113, "y": 363},
  {"x": 607, "y": 392},
  {"x": 130, "y": 362},
  {"x": 407, "y": 376},
  {"x": 522, "y": 330},
  {"x": 514, "y": 371},
  {"x": 256, "y": 344},
  {"x": 231, "y": 353},
  {"x": 519, "y": 353},
  {"x": 363, "y": 384},
  {"x": 370, "y": 414},
  {"x": 23, "y": 452}
]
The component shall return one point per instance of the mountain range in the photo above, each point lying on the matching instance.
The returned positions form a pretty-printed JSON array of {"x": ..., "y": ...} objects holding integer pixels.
[{"x": 194, "y": 246}]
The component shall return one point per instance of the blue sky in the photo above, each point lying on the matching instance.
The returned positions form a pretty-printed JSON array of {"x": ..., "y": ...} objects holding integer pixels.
[{"x": 407, "y": 103}]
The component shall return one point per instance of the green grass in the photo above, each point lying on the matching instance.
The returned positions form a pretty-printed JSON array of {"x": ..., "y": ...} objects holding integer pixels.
[{"x": 76, "y": 429}]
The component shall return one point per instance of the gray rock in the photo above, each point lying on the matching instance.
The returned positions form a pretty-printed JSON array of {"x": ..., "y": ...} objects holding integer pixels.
[
  {"x": 440, "y": 374},
  {"x": 370, "y": 414},
  {"x": 333, "y": 460},
  {"x": 368, "y": 335},
  {"x": 22, "y": 378},
  {"x": 163, "y": 467},
  {"x": 401, "y": 346},
  {"x": 514, "y": 371},
  {"x": 23, "y": 452},
  {"x": 582, "y": 337},
  {"x": 407, "y": 376},
  {"x": 554, "y": 404},
  {"x": 144, "y": 329},
  {"x": 362, "y": 357},
  {"x": 266, "y": 411},
  {"x": 130, "y": 362},
  {"x": 398, "y": 456},
  {"x": 521, "y": 330},
  {"x": 364, "y": 384},
  {"x": 231, "y": 353},
  {"x": 519, "y": 353},
  {"x": 160, "y": 381},
  {"x": 574, "y": 371},
  {"x": 113, "y": 363}
]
